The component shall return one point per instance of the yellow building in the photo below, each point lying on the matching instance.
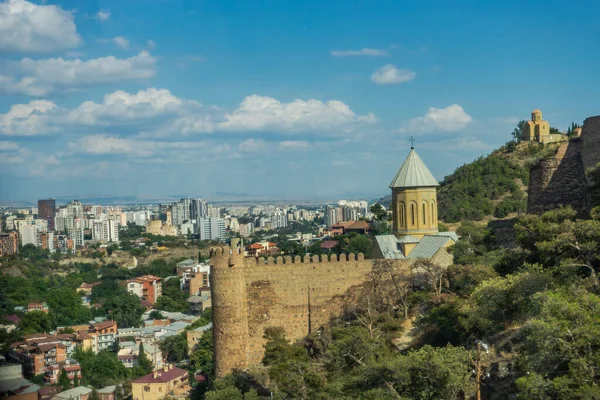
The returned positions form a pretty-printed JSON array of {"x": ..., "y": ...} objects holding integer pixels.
[
  {"x": 168, "y": 381},
  {"x": 156, "y": 227},
  {"x": 414, "y": 199},
  {"x": 537, "y": 129},
  {"x": 415, "y": 217}
]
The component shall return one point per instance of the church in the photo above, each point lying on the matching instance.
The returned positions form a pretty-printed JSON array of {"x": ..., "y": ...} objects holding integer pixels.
[{"x": 415, "y": 217}]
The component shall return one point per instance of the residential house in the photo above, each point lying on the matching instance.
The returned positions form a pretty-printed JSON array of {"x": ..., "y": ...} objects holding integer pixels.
[
  {"x": 37, "y": 356},
  {"x": 193, "y": 335},
  {"x": 78, "y": 393},
  {"x": 13, "y": 386},
  {"x": 169, "y": 381},
  {"x": 70, "y": 367},
  {"x": 199, "y": 304},
  {"x": 107, "y": 393},
  {"x": 147, "y": 287},
  {"x": 104, "y": 335},
  {"x": 37, "y": 307}
]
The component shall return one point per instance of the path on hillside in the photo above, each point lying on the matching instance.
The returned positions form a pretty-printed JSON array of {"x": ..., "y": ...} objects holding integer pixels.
[{"x": 408, "y": 336}]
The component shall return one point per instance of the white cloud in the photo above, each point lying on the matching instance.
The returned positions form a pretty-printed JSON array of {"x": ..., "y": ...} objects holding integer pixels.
[
  {"x": 389, "y": 74},
  {"x": 42, "y": 77},
  {"x": 362, "y": 52},
  {"x": 266, "y": 113},
  {"x": 102, "y": 15},
  {"x": 26, "y": 119},
  {"x": 6, "y": 145},
  {"x": 252, "y": 146},
  {"x": 121, "y": 105},
  {"x": 294, "y": 144},
  {"x": 121, "y": 42},
  {"x": 449, "y": 119},
  {"x": 114, "y": 144},
  {"x": 28, "y": 27},
  {"x": 158, "y": 113}
]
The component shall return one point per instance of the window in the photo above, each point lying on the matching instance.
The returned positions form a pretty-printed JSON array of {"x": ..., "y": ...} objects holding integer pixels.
[
  {"x": 413, "y": 210},
  {"x": 160, "y": 389},
  {"x": 146, "y": 388},
  {"x": 402, "y": 214},
  {"x": 424, "y": 214},
  {"x": 433, "y": 212}
]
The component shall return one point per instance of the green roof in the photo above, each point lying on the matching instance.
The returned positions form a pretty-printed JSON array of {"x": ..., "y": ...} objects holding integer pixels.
[{"x": 413, "y": 173}]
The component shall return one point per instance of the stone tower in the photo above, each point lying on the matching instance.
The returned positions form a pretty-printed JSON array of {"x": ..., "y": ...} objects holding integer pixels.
[
  {"x": 230, "y": 309},
  {"x": 414, "y": 199},
  {"x": 537, "y": 129}
]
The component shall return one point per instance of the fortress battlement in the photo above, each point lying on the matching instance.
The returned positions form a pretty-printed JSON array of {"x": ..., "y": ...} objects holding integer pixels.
[{"x": 219, "y": 255}]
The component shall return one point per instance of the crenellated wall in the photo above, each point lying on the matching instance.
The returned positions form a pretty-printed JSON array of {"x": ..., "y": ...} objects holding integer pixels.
[
  {"x": 590, "y": 134},
  {"x": 297, "y": 294},
  {"x": 560, "y": 180}
]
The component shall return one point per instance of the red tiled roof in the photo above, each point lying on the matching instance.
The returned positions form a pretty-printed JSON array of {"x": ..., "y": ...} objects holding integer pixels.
[
  {"x": 162, "y": 376},
  {"x": 330, "y": 244},
  {"x": 256, "y": 246},
  {"x": 359, "y": 225},
  {"x": 13, "y": 318},
  {"x": 103, "y": 325},
  {"x": 45, "y": 347}
]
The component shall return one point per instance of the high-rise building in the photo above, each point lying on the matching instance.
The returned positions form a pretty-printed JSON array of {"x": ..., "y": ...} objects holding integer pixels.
[
  {"x": 29, "y": 234},
  {"x": 211, "y": 228},
  {"x": 332, "y": 216},
  {"x": 76, "y": 235},
  {"x": 105, "y": 230},
  {"x": 9, "y": 243},
  {"x": 47, "y": 211}
]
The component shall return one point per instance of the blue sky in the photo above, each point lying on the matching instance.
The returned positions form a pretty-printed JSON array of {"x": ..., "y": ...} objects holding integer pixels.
[{"x": 276, "y": 98}]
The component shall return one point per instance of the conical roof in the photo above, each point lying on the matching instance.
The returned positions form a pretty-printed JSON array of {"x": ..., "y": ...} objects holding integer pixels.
[{"x": 413, "y": 173}]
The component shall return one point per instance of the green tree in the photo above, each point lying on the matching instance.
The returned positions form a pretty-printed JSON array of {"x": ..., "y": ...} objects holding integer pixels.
[
  {"x": 125, "y": 310},
  {"x": 379, "y": 212},
  {"x": 63, "y": 380},
  {"x": 66, "y": 307},
  {"x": 201, "y": 357},
  {"x": 360, "y": 244},
  {"x": 143, "y": 362},
  {"x": 175, "y": 348},
  {"x": 35, "y": 322},
  {"x": 155, "y": 314},
  {"x": 517, "y": 133}
]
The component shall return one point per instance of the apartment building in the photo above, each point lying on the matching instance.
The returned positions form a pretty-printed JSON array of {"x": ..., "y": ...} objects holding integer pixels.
[{"x": 147, "y": 287}]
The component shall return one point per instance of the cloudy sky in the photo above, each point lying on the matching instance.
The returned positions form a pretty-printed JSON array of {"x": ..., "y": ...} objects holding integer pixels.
[{"x": 283, "y": 99}]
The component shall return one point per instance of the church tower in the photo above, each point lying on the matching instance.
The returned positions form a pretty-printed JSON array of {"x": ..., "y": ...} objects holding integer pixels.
[{"x": 414, "y": 199}]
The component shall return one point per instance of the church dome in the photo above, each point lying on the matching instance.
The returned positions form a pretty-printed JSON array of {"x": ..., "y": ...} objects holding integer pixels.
[{"x": 413, "y": 173}]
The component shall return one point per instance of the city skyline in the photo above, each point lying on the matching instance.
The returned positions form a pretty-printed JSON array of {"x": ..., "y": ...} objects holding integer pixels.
[{"x": 309, "y": 101}]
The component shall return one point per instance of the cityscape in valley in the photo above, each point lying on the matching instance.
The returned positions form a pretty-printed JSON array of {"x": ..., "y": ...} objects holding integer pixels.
[{"x": 325, "y": 200}]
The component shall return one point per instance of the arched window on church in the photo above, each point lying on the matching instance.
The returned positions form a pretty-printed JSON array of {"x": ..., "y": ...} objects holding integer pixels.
[
  {"x": 413, "y": 216},
  {"x": 424, "y": 214},
  {"x": 433, "y": 212},
  {"x": 402, "y": 215}
]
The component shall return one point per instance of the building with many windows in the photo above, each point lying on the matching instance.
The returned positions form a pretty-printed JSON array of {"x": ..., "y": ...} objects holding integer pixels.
[
  {"x": 9, "y": 243},
  {"x": 47, "y": 211},
  {"x": 211, "y": 228}
]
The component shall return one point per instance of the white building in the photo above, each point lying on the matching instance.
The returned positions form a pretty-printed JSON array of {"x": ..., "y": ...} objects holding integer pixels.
[
  {"x": 211, "y": 228},
  {"x": 76, "y": 235}
]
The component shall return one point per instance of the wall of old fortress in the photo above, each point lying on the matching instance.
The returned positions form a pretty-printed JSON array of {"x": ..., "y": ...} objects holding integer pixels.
[
  {"x": 299, "y": 295},
  {"x": 560, "y": 179}
]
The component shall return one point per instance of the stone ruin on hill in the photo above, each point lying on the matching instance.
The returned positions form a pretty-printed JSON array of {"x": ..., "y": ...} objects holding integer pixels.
[{"x": 564, "y": 178}]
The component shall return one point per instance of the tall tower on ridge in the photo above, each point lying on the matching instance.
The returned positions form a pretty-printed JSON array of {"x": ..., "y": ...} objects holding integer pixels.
[{"x": 414, "y": 199}]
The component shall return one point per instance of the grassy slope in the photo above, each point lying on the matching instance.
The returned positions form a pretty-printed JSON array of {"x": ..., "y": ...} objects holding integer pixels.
[{"x": 490, "y": 186}]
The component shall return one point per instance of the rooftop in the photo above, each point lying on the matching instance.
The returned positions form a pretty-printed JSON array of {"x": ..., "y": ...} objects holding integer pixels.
[
  {"x": 413, "y": 173},
  {"x": 73, "y": 393},
  {"x": 162, "y": 376}
]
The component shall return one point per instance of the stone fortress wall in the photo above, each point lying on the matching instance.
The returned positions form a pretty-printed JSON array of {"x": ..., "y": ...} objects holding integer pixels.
[
  {"x": 560, "y": 179},
  {"x": 299, "y": 295}
]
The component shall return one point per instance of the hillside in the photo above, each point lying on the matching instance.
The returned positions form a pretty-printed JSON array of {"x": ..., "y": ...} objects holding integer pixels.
[{"x": 491, "y": 186}]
